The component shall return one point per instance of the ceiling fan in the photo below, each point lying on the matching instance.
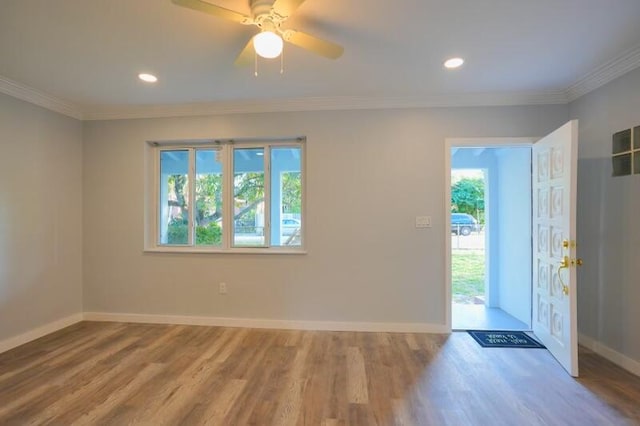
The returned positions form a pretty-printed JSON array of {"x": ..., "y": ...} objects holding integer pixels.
[{"x": 268, "y": 15}]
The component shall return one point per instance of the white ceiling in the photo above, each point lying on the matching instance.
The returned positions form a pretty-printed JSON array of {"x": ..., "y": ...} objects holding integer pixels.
[{"x": 88, "y": 52}]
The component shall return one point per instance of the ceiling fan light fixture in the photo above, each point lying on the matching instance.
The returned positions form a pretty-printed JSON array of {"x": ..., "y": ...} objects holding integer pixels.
[{"x": 268, "y": 44}]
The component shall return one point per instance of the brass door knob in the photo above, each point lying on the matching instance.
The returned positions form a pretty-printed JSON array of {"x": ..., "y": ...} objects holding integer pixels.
[{"x": 564, "y": 263}]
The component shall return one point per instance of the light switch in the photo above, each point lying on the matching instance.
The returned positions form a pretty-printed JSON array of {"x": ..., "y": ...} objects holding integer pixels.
[{"x": 423, "y": 221}]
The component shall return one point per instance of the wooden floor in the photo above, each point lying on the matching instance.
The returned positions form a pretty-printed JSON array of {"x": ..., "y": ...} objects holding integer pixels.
[{"x": 119, "y": 374}]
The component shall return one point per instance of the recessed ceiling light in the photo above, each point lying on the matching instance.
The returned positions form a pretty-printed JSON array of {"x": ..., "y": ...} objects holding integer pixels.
[
  {"x": 147, "y": 78},
  {"x": 453, "y": 63}
]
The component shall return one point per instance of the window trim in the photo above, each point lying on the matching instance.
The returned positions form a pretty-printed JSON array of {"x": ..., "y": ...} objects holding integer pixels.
[{"x": 152, "y": 195}]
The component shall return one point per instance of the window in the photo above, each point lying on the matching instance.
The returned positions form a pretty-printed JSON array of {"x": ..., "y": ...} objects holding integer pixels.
[
  {"x": 625, "y": 150},
  {"x": 226, "y": 196}
]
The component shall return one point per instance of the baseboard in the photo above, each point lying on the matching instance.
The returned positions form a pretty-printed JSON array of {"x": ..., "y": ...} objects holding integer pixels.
[
  {"x": 612, "y": 355},
  {"x": 36, "y": 333},
  {"x": 268, "y": 323},
  {"x": 401, "y": 327}
]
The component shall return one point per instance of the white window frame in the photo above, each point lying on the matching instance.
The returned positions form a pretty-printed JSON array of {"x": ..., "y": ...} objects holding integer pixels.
[{"x": 153, "y": 150}]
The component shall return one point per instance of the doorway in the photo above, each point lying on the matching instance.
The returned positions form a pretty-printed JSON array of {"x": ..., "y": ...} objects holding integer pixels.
[
  {"x": 550, "y": 198},
  {"x": 490, "y": 247}
]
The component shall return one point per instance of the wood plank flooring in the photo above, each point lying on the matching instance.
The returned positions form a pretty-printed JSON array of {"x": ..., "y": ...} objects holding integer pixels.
[{"x": 120, "y": 374}]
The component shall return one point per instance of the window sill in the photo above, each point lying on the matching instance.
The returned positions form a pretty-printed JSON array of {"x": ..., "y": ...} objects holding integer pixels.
[{"x": 252, "y": 250}]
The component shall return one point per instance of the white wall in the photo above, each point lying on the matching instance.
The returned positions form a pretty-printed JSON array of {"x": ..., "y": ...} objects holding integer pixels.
[
  {"x": 369, "y": 173},
  {"x": 514, "y": 233},
  {"x": 40, "y": 217},
  {"x": 608, "y": 219}
]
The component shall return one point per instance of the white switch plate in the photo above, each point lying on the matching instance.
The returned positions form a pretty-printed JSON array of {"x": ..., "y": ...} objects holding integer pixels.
[{"x": 423, "y": 221}]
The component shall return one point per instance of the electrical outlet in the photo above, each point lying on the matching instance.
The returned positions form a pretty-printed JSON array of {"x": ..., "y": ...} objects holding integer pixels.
[{"x": 223, "y": 288}]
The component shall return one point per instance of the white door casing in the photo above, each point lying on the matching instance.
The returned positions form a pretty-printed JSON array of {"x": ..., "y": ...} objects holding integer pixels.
[{"x": 554, "y": 300}]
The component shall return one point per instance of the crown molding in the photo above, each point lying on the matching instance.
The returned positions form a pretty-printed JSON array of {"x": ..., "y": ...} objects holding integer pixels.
[
  {"x": 627, "y": 61},
  {"x": 602, "y": 75},
  {"x": 36, "y": 97},
  {"x": 326, "y": 104}
]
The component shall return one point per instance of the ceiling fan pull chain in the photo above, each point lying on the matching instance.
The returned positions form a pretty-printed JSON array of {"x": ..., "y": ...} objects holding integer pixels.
[{"x": 255, "y": 61}]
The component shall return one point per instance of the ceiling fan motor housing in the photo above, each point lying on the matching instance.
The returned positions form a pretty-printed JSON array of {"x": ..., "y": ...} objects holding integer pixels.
[
  {"x": 262, "y": 12},
  {"x": 269, "y": 16}
]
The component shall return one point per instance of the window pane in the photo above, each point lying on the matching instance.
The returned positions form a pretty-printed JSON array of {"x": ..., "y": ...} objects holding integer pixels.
[
  {"x": 248, "y": 197},
  {"x": 174, "y": 197},
  {"x": 208, "y": 213},
  {"x": 621, "y": 165},
  {"x": 621, "y": 142},
  {"x": 286, "y": 197}
]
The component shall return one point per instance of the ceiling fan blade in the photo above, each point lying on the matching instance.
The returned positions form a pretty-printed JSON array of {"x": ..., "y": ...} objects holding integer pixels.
[
  {"x": 214, "y": 10},
  {"x": 285, "y": 8},
  {"x": 321, "y": 47},
  {"x": 247, "y": 55}
]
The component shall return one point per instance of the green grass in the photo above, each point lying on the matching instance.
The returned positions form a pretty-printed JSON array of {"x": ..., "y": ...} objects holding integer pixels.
[{"x": 467, "y": 275}]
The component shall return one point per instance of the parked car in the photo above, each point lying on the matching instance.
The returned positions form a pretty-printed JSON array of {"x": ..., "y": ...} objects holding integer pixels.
[
  {"x": 290, "y": 226},
  {"x": 463, "y": 224}
]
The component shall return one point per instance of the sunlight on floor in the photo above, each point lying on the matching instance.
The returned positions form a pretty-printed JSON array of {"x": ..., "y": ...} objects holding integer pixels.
[{"x": 479, "y": 317}]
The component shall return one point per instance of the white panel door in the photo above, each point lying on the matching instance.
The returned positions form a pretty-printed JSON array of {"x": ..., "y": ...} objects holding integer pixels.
[{"x": 554, "y": 234}]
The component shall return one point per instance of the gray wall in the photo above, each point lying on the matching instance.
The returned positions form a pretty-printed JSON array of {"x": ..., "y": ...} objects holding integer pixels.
[
  {"x": 40, "y": 217},
  {"x": 608, "y": 219},
  {"x": 369, "y": 173}
]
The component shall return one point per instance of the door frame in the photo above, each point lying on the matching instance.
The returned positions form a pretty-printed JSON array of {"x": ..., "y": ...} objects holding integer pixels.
[{"x": 483, "y": 142}]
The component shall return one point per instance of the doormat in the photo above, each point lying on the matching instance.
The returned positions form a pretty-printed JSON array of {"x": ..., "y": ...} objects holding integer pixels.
[{"x": 504, "y": 339}]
